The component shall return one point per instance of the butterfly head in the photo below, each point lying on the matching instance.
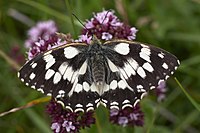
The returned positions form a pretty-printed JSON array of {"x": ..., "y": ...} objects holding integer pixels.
[{"x": 95, "y": 40}]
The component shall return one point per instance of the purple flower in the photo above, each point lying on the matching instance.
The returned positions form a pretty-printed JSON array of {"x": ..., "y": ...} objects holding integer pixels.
[
  {"x": 161, "y": 91},
  {"x": 106, "y": 36},
  {"x": 42, "y": 37},
  {"x": 106, "y": 26},
  {"x": 128, "y": 116},
  {"x": 64, "y": 121},
  {"x": 84, "y": 38},
  {"x": 42, "y": 30},
  {"x": 123, "y": 121},
  {"x": 56, "y": 126},
  {"x": 68, "y": 126}
]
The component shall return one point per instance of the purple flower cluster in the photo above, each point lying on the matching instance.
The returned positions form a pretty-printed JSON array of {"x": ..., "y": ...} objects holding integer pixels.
[
  {"x": 106, "y": 26},
  {"x": 64, "y": 121},
  {"x": 128, "y": 116},
  {"x": 42, "y": 37}
]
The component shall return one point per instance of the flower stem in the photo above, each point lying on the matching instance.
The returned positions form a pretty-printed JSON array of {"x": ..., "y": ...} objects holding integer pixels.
[
  {"x": 10, "y": 61},
  {"x": 194, "y": 103}
]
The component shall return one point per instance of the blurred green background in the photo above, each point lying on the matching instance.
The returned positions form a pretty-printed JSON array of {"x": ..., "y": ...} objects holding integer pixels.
[{"x": 173, "y": 25}]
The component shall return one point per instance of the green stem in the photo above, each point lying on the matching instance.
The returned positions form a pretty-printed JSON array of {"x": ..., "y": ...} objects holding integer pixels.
[
  {"x": 71, "y": 16},
  {"x": 195, "y": 104}
]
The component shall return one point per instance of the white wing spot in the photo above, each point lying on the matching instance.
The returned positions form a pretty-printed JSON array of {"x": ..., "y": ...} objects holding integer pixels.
[
  {"x": 145, "y": 56},
  {"x": 143, "y": 94},
  {"x": 178, "y": 62},
  {"x": 104, "y": 101},
  {"x": 114, "y": 107},
  {"x": 49, "y": 94},
  {"x": 148, "y": 67},
  {"x": 146, "y": 51},
  {"x": 129, "y": 70},
  {"x": 161, "y": 55},
  {"x": 86, "y": 86},
  {"x": 125, "y": 101},
  {"x": 152, "y": 87},
  {"x": 22, "y": 79},
  {"x": 61, "y": 93},
  {"x": 114, "y": 103},
  {"x": 89, "y": 105},
  {"x": 112, "y": 66},
  {"x": 164, "y": 65},
  {"x": 83, "y": 68},
  {"x": 122, "y": 84},
  {"x": 75, "y": 75},
  {"x": 133, "y": 63},
  {"x": 139, "y": 87},
  {"x": 113, "y": 85},
  {"x": 57, "y": 78},
  {"x": 33, "y": 87},
  {"x": 79, "y": 105},
  {"x": 32, "y": 76},
  {"x": 34, "y": 65},
  {"x": 141, "y": 72},
  {"x": 89, "y": 108},
  {"x": 63, "y": 67},
  {"x": 135, "y": 103},
  {"x": 68, "y": 74},
  {"x": 78, "y": 88},
  {"x": 166, "y": 77},
  {"x": 122, "y": 48},
  {"x": 50, "y": 63},
  {"x": 40, "y": 90},
  {"x": 49, "y": 74},
  {"x": 70, "y": 52},
  {"x": 48, "y": 57},
  {"x": 68, "y": 107}
]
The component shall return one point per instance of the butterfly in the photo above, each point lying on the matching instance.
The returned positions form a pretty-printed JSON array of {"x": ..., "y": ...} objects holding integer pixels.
[{"x": 116, "y": 73}]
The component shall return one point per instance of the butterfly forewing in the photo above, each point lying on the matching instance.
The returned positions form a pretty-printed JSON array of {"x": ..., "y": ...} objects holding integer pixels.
[{"x": 116, "y": 74}]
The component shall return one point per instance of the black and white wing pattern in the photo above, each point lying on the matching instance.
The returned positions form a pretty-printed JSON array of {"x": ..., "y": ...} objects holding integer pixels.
[
  {"x": 135, "y": 68},
  {"x": 116, "y": 74},
  {"x": 62, "y": 73}
]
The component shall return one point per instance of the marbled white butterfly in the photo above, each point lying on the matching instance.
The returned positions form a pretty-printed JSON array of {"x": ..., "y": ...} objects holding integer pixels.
[{"x": 116, "y": 74}]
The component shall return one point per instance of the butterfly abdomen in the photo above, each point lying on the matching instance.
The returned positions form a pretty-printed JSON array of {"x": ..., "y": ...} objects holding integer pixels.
[{"x": 98, "y": 69}]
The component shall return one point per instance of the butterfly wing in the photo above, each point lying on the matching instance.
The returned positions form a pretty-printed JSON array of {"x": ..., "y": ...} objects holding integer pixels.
[
  {"x": 59, "y": 73},
  {"x": 135, "y": 69}
]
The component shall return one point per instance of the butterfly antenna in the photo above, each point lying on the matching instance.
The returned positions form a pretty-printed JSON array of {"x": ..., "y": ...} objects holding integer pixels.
[
  {"x": 105, "y": 16},
  {"x": 80, "y": 21}
]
